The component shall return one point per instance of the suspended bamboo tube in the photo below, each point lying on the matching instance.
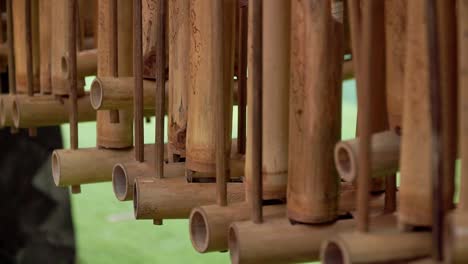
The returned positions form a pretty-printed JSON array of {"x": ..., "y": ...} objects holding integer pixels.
[
  {"x": 124, "y": 175},
  {"x": 381, "y": 246},
  {"x": 315, "y": 113},
  {"x": 95, "y": 164},
  {"x": 112, "y": 134},
  {"x": 415, "y": 207},
  {"x": 46, "y": 110},
  {"x": 174, "y": 198},
  {"x": 207, "y": 73},
  {"x": 86, "y": 64},
  {"x": 385, "y": 151},
  {"x": 179, "y": 80},
  {"x": 19, "y": 26},
  {"x": 45, "y": 36},
  {"x": 253, "y": 243}
]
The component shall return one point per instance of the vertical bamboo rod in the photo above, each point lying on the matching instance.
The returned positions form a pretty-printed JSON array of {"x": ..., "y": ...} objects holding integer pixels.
[
  {"x": 29, "y": 55},
  {"x": 138, "y": 76},
  {"x": 114, "y": 50},
  {"x": 45, "y": 35},
  {"x": 72, "y": 82},
  {"x": 463, "y": 100},
  {"x": 160, "y": 87},
  {"x": 256, "y": 10},
  {"x": 242, "y": 79},
  {"x": 11, "y": 49}
]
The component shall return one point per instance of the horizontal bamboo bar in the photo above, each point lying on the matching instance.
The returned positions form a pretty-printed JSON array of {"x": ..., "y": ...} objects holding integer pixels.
[
  {"x": 254, "y": 243},
  {"x": 376, "y": 247},
  {"x": 385, "y": 153},
  {"x": 88, "y": 165},
  {"x": 124, "y": 175},
  {"x": 174, "y": 198},
  {"x": 47, "y": 110},
  {"x": 86, "y": 64},
  {"x": 456, "y": 237}
]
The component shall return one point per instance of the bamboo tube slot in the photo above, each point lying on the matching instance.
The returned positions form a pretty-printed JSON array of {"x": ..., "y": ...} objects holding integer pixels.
[
  {"x": 252, "y": 243},
  {"x": 385, "y": 149},
  {"x": 174, "y": 198},
  {"x": 86, "y": 64},
  {"x": 275, "y": 120},
  {"x": 95, "y": 164},
  {"x": 179, "y": 80},
  {"x": 124, "y": 175},
  {"x": 46, "y": 110},
  {"x": 315, "y": 97},
  {"x": 376, "y": 247},
  {"x": 45, "y": 36},
  {"x": 205, "y": 78}
]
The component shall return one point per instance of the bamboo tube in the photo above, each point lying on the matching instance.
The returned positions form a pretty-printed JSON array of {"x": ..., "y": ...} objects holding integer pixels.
[
  {"x": 415, "y": 207},
  {"x": 45, "y": 36},
  {"x": 6, "y": 107},
  {"x": 276, "y": 27},
  {"x": 46, "y": 110},
  {"x": 205, "y": 77},
  {"x": 385, "y": 151},
  {"x": 179, "y": 80},
  {"x": 456, "y": 238},
  {"x": 252, "y": 243},
  {"x": 86, "y": 64},
  {"x": 124, "y": 174},
  {"x": 88, "y": 165},
  {"x": 115, "y": 135},
  {"x": 315, "y": 113},
  {"x": 174, "y": 198},
  {"x": 19, "y": 26},
  {"x": 376, "y": 247}
]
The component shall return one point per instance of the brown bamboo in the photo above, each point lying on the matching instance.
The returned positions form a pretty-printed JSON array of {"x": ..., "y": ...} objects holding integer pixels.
[
  {"x": 174, "y": 198},
  {"x": 46, "y": 110},
  {"x": 72, "y": 78},
  {"x": 115, "y": 135},
  {"x": 315, "y": 113},
  {"x": 138, "y": 79},
  {"x": 179, "y": 48},
  {"x": 385, "y": 149},
  {"x": 242, "y": 77},
  {"x": 86, "y": 64},
  {"x": 252, "y": 243},
  {"x": 381, "y": 246},
  {"x": 206, "y": 75},
  {"x": 45, "y": 36},
  {"x": 124, "y": 174},
  {"x": 95, "y": 164},
  {"x": 456, "y": 238},
  {"x": 415, "y": 206},
  {"x": 11, "y": 49},
  {"x": 6, "y": 107}
]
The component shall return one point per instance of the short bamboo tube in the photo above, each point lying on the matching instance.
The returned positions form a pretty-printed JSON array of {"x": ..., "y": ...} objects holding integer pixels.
[
  {"x": 253, "y": 243},
  {"x": 174, "y": 198},
  {"x": 385, "y": 149},
  {"x": 315, "y": 113},
  {"x": 124, "y": 175},
  {"x": 415, "y": 205},
  {"x": 387, "y": 246},
  {"x": 89, "y": 165},
  {"x": 276, "y": 28},
  {"x": 179, "y": 80},
  {"x": 6, "y": 107},
  {"x": 47, "y": 110},
  {"x": 209, "y": 67},
  {"x": 86, "y": 64},
  {"x": 45, "y": 36}
]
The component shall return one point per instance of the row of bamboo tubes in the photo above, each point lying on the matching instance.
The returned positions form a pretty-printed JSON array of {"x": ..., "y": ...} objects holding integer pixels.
[{"x": 287, "y": 189}]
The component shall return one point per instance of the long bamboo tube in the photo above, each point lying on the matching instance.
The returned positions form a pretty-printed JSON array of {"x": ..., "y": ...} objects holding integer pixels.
[
  {"x": 138, "y": 80},
  {"x": 415, "y": 206},
  {"x": 179, "y": 80},
  {"x": 376, "y": 247},
  {"x": 19, "y": 26},
  {"x": 174, "y": 198},
  {"x": 124, "y": 175},
  {"x": 45, "y": 36},
  {"x": 207, "y": 73},
  {"x": 252, "y": 243},
  {"x": 86, "y": 64},
  {"x": 46, "y": 110},
  {"x": 88, "y": 165},
  {"x": 109, "y": 134},
  {"x": 385, "y": 149},
  {"x": 315, "y": 113}
]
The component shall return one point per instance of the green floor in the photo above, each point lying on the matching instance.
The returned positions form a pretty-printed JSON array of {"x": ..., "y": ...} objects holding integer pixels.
[{"x": 106, "y": 229}]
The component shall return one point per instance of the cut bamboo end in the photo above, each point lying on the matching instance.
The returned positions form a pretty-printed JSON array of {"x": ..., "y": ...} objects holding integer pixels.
[
  {"x": 86, "y": 64},
  {"x": 6, "y": 119},
  {"x": 377, "y": 247},
  {"x": 124, "y": 175},
  {"x": 385, "y": 149},
  {"x": 96, "y": 93},
  {"x": 46, "y": 110},
  {"x": 456, "y": 237},
  {"x": 174, "y": 198}
]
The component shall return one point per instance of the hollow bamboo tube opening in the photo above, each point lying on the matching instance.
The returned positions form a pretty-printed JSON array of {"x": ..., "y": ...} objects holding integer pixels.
[
  {"x": 174, "y": 198},
  {"x": 86, "y": 64},
  {"x": 385, "y": 149}
]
